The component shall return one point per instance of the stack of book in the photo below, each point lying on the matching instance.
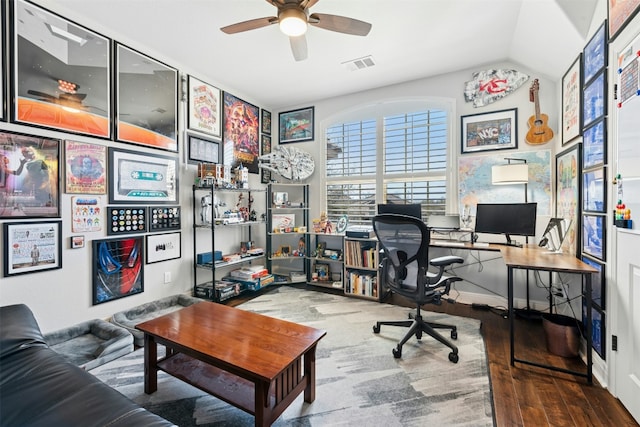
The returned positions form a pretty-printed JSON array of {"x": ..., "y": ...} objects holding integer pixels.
[{"x": 253, "y": 277}]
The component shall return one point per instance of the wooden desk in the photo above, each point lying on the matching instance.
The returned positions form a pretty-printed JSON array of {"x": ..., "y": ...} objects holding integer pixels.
[
  {"x": 257, "y": 363},
  {"x": 536, "y": 258}
]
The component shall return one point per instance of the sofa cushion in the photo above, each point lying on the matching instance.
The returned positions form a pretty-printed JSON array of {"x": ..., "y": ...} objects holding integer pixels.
[{"x": 18, "y": 330}]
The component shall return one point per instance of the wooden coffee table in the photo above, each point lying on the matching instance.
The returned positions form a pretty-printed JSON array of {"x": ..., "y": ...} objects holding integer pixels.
[{"x": 256, "y": 363}]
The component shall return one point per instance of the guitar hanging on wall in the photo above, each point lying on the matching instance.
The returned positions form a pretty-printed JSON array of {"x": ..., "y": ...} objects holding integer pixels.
[{"x": 539, "y": 132}]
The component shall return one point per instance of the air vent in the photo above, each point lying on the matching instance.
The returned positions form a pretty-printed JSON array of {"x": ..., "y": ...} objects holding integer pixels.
[{"x": 360, "y": 63}]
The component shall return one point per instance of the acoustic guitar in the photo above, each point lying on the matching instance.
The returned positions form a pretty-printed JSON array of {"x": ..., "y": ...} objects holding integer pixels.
[{"x": 539, "y": 132}]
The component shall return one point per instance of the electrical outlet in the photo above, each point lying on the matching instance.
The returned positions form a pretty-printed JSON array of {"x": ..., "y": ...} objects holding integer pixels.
[{"x": 167, "y": 277}]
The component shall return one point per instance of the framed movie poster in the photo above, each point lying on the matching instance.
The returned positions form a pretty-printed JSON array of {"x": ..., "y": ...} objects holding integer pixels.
[
  {"x": 136, "y": 177},
  {"x": 204, "y": 107},
  {"x": 497, "y": 130},
  {"x": 265, "y": 120},
  {"x": 29, "y": 176},
  {"x": 61, "y": 73},
  {"x": 163, "y": 247},
  {"x": 296, "y": 125},
  {"x": 146, "y": 100},
  {"x": 594, "y": 99},
  {"x": 241, "y": 129},
  {"x": 594, "y": 141},
  {"x": 203, "y": 150},
  {"x": 568, "y": 195},
  {"x": 30, "y": 247},
  {"x": 571, "y": 101},
  {"x": 85, "y": 168},
  {"x": 118, "y": 270},
  {"x": 595, "y": 54},
  {"x": 594, "y": 191},
  {"x": 619, "y": 14},
  {"x": 265, "y": 142},
  {"x": 593, "y": 235}
]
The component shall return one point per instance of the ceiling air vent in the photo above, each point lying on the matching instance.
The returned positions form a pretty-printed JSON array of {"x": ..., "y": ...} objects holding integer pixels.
[{"x": 359, "y": 63}]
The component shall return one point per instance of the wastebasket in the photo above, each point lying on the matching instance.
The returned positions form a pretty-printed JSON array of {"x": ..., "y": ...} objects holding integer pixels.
[{"x": 562, "y": 334}]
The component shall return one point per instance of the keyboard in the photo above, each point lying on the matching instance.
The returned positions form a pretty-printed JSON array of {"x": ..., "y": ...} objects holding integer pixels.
[
  {"x": 447, "y": 243},
  {"x": 481, "y": 245}
]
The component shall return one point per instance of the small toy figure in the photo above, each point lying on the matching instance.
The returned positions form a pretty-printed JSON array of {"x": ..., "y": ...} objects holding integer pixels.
[
  {"x": 301, "y": 247},
  {"x": 205, "y": 208}
]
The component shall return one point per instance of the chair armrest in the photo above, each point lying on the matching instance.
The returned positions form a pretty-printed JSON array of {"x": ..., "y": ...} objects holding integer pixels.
[{"x": 446, "y": 260}]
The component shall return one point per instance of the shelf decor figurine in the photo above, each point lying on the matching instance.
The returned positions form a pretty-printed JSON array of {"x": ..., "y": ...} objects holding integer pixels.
[{"x": 289, "y": 162}]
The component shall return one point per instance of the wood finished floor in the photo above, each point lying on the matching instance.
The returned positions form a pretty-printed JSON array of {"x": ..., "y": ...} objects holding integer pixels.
[{"x": 526, "y": 395}]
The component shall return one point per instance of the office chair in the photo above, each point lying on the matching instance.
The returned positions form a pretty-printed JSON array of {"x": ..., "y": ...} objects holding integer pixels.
[{"x": 405, "y": 244}]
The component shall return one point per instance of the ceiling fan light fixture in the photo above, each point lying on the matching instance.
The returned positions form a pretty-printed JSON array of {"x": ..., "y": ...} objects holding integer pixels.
[{"x": 293, "y": 22}]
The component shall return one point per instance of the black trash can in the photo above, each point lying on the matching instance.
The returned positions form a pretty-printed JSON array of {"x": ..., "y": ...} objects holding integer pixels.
[{"x": 562, "y": 334}]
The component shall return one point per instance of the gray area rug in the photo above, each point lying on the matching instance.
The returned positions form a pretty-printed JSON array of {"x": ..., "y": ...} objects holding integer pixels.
[{"x": 359, "y": 382}]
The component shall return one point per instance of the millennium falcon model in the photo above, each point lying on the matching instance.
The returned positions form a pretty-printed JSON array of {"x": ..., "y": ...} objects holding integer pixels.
[{"x": 289, "y": 162}]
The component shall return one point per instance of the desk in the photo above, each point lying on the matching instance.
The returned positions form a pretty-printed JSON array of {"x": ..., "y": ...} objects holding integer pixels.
[{"x": 536, "y": 258}]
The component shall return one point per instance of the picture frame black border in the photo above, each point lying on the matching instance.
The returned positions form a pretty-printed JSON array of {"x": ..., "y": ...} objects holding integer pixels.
[
  {"x": 602, "y": 236},
  {"x": 109, "y": 225},
  {"x": 14, "y": 53},
  {"x": 596, "y": 314},
  {"x": 7, "y": 244},
  {"x": 510, "y": 113},
  {"x": 116, "y": 121},
  {"x": 586, "y": 134},
  {"x": 566, "y": 138},
  {"x": 587, "y": 120},
  {"x": 601, "y": 284},
  {"x": 283, "y": 117},
  {"x": 113, "y": 182},
  {"x": 85, "y": 190},
  {"x": 265, "y": 121},
  {"x": 603, "y": 187},
  {"x": 192, "y": 159},
  {"x": 190, "y": 126},
  {"x": 265, "y": 174},
  {"x": 4, "y": 73},
  {"x": 57, "y": 184},
  {"x": 593, "y": 47},
  {"x": 148, "y": 239},
  {"x": 177, "y": 224},
  {"x": 615, "y": 32},
  {"x": 229, "y": 144},
  {"x": 94, "y": 263},
  {"x": 575, "y": 225}
]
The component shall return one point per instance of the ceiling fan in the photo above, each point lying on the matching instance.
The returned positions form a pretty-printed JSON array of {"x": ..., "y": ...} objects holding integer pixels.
[{"x": 293, "y": 19}]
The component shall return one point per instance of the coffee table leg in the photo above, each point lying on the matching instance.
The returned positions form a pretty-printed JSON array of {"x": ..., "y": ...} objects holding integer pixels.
[
  {"x": 262, "y": 411},
  {"x": 150, "y": 364},
  {"x": 310, "y": 374}
]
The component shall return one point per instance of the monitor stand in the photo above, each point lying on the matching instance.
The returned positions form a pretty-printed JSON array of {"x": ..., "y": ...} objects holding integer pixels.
[{"x": 512, "y": 242}]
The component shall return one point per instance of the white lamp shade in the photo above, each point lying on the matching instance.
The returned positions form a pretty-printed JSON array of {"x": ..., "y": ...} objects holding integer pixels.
[{"x": 510, "y": 174}]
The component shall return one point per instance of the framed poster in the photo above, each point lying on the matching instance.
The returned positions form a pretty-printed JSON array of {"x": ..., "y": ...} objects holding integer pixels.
[
  {"x": 598, "y": 291},
  {"x": 163, "y": 247},
  {"x": 568, "y": 195},
  {"x": 594, "y": 141},
  {"x": 241, "y": 129},
  {"x": 594, "y": 99},
  {"x": 86, "y": 214},
  {"x": 571, "y": 101},
  {"x": 3, "y": 88},
  {"x": 296, "y": 125},
  {"x": 29, "y": 176},
  {"x": 203, "y": 150},
  {"x": 265, "y": 148},
  {"x": 85, "y": 168},
  {"x": 265, "y": 121},
  {"x": 126, "y": 220},
  {"x": 30, "y": 247},
  {"x": 204, "y": 107},
  {"x": 594, "y": 56},
  {"x": 619, "y": 14},
  {"x": 598, "y": 335},
  {"x": 136, "y": 177},
  {"x": 61, "y": 72},
  {"x": 628, "y": 75},
  {"x": 164, "y": 218},
  {"x": 594, "y": 191},
  {"x": 118, "y": 270},
  {"x": 146, "y": 100},
  {"x": 593, "y": 235},
  {"x": 497, "y": 130}
]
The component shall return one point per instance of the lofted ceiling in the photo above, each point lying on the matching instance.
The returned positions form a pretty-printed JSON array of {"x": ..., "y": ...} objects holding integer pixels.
[{"x": 409, "y": 39}]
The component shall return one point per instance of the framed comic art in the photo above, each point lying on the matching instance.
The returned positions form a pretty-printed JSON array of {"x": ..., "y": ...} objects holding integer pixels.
[
  {"x": 265, "y": 148},
  {"x": 571, "y": 101},
  {"x": 202, "y": 150},
  {"x": 619, "y": 14},
  {"x": 594, "y": 191},
  {"x": 296, "y": 125},
  {"x": 598, "y": 282},
  {"x": 594, "y": 56},
  {"x": 594, "y": 99},
  {"x": 594, "y": 142},
  {"x": 568, "y": 195},
  {"x": 163, "y": 247},
  {"x": 593, "y": 235},
  {"x": 146, "y": 100},
  {"x": 118, "y": 269},
  {"x": 204, "y": 107},
  {"x": 136, "y": 177},
  {"x": 497, "y": 130},
  {"x": 85, "y": 168},
  {"x": 598, "y": 329},
  {"x": 30, "y": 247},
  {"x": 265, "y": 121},
  {"x": 241, "y": 129},
  {"x": 29, "y": 176},
  {"x": 51, "y": 86}
]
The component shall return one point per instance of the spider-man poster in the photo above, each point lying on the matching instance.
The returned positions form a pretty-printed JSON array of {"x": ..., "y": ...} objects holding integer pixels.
[{"x": 117, "y": 268}]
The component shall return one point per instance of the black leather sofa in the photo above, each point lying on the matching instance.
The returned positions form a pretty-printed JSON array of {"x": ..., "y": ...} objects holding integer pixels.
[{"x": 38, "y": 387}]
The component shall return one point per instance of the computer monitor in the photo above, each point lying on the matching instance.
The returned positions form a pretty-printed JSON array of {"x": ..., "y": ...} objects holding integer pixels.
[
  {"x": 510, "y": 219},
  {"x": 410, "y": 209},
  {"x": 444, "y": 222}
]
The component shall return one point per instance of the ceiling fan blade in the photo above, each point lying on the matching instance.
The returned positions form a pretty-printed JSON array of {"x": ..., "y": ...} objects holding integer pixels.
[
  {"x": 299, "y": 47},
  {"x": 252, "y": 24},
  {"x": 306, "y": 4},
  {"x": 341, "y": 24}
]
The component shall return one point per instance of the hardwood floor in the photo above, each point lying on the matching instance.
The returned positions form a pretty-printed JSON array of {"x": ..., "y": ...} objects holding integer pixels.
[{"x": 525, "y": 395}]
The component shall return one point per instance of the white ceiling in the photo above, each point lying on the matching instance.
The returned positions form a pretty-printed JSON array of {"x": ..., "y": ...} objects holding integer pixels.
[{"x": 410, "y": 39}]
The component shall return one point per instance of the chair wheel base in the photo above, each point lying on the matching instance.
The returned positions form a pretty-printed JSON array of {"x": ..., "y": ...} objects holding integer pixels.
[
  {"x": 454, "y": 335},
  {"x": 376, "y": 329},
  {"x": 397, "y": 352},
  {"x": 453, "y": 357}
]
